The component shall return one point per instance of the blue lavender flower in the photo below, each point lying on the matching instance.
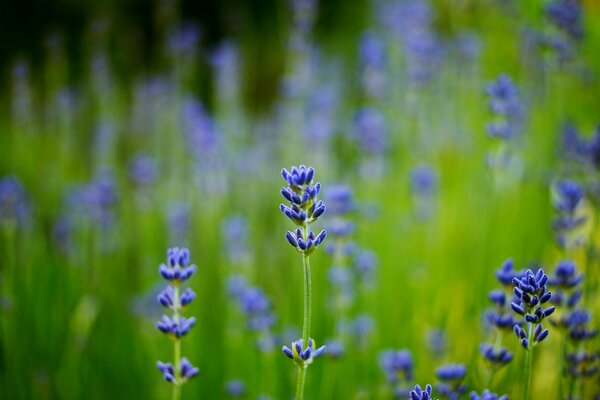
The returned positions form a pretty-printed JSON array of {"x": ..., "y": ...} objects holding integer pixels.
[
  {"x": 568, "y": 196},
  {"x": 420, "y": 394},
  {"x": 423, "y": 180},
  {"x": 451, "y": 376},
  {"x": 372, "y": 60},
  {"x": 13, "y": 203},
  {"x": 371, "y": 131},
  {"x": 235, "y": 388},
  {"x": 143, "y": 170},
  {"x": 566, "y": 281},
  {"x": 365, "y": 265},
  {"x": 235, "y": 231},
  {"x": 256, "y": 308},
  {"x": 423, "y": 185},
  {"x": 437, "y": 342},
  {"x": 496, "y": 357},
  {"x": 505, "y": 103},
  {"x": 178, "y": 219},
  {"x": 303, "y": 356},
  {"x": 567, "y": 16},
  {"x": 506, "y": 273},
  {"x": 530, "y": 294},
  {"x": 304, "y": 208},
  {"x": 335, "y": 348},
  {"x": 486, "y": 395},
  {"x": 176, "y": 271},
  {"x": 582, "y": 364},
  {"x": 397, "y": 365}
]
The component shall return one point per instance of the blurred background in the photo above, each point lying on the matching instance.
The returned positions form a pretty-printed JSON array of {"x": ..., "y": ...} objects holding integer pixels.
[{"x": 438, "y": 130}]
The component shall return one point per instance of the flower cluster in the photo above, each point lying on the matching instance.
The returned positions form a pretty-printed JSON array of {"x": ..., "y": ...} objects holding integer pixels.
[
  {"x": 573, "y": 321},
  {"x": 187, "y": 371},
  {"x": 419, "y": 394},
  {"x": 398, "y": 368},
  {"x": 505, "y": 104},
  {"x": 372, "y": 60},
  {"x": 423, "y": 184},
  {"x": 530, "y": 295},
  {"x": 568, "y": 197},
  {"x": 303, "y": 357},
  {"x": 256, "y": 307},
  {"x": 567, "y": 16},
  {"x": 303, "y": 209},
  {"x": 451, "y": 377},
  {"x": 500, "y": 318},
  {"x": 13, "y": 204},
  {"x": 176, "y": 271},
  {"x": 486, "y": 395}
]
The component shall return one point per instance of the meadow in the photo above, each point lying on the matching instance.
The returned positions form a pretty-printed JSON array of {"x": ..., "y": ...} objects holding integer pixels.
[{"x": 450, "y": 141}]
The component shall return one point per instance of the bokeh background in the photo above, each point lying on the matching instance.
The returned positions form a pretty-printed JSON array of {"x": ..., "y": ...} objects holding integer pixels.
[{"x": 128, "y": 127}]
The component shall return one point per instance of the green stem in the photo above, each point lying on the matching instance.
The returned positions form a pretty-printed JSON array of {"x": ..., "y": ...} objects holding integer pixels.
[
  {"x": 528, "y": 363},
  {"x": 307, "y": 318},
  {"x": 307, "y": 301},
  {"x": 177, "y": 348},
  {"x": 300, "y": 383}
]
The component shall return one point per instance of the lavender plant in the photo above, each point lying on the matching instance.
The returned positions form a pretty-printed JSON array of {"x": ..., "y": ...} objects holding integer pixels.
[
  {"x": 177, "y": 271},
  {"x": 256, "y": 307},
  {"x": 501, "y": 321},
  {"x": 568, "y": 198},
  {"x": 530, "y": 295},
  {"x": 578, "y": 362},
  {"x": 505, "y": 104},
  {"x": 451, "y": 377},
  {"x": 303, "y": 210},
  {"x": 398, "y": 368}
]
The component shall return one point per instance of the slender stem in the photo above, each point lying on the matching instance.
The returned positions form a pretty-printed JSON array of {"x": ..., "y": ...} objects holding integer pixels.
[
  {"x": 300, "y": 383},
  {"x": 177, "y": 348},
  {"x": 307, "y": 301},
  {"x": 528, "y": 363},
  {"x": 307, "y": 318}
]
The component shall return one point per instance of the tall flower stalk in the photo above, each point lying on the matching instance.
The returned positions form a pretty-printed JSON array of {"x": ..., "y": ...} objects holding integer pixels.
[
  {"x": 177, "y": 271},
  {"x": 303, "y": 210},
  {"x": 530, "y": 296}
]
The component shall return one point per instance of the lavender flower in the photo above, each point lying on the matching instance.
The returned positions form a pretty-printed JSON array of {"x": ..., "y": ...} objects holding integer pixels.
[
  {"x": 235, "y": 388},
  {"x": 423, "y": 184},
  {"x": 486, "y": 395},
  {"x": 304, "y": 208},
  {"x": 420, "y": 394},
  {"x": 568, "y": 197},
  {"x": 530, "y": 294},
  {"x": 397, "y": 365},
  {"x": 303, "y": 356},
  {"x": 372, "y": 60},
  {"x": 495, "y": 356},
  {"x": 505, "y": 104},
  {"x": 176, "y": 271},
  {"x": 567, "y": 16},
  {"x": 143, "y": 170},
  {"x": 256, "y": 308},
  {"x": 235, "y": 231},
  {"x": 451, "y": 376},
  {"x": 13, "y": 204},
  {"x": 371, "y": 131}
]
